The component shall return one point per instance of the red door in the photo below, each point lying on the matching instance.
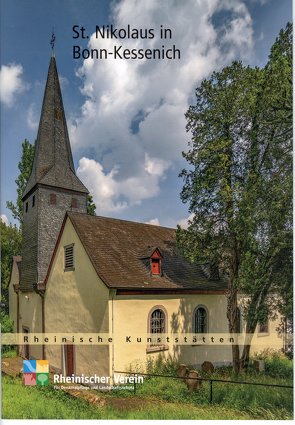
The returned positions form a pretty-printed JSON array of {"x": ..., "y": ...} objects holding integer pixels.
[{"x": 69, "y": 359}]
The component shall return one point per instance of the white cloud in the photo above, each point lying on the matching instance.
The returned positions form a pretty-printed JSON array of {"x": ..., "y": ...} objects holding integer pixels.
[
  {"x": 63, "y": 81},
  {"x": 32, "y": 119},
  {"x": 153, "y": 221},
  {"x": 184, "y": 222},
  {"x": 11, "y": 83},
  {"x": 111, "y": 195},
  {"x": 132, "y": 118},
  {"x": 4, "y": 219}
]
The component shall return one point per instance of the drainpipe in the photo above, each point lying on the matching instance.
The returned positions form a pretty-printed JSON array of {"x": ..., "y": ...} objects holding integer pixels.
[
  {"x": 17, "y": 320},
  {"x": 43, "y": 325},
  {"x": 113, "y": 293},
  {"x": 39, "y": 288}
]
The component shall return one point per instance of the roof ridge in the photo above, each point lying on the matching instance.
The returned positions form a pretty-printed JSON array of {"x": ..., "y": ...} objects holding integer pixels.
[{"x": 120, "y": 219}]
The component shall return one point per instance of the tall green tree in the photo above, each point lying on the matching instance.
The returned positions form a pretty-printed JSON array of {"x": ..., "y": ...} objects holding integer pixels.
[
  {"x": 25, "y": 168},
  {"x": 272, "y": 257},
  {"x": 239, "y": 185},
  {"x": 10, "y": 237},
  {"x": 91, "y": 207}
]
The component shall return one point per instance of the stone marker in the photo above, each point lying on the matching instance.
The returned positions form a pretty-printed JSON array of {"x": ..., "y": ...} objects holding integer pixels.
[
  {"x": 259, "y": 365},
  {"x": 207, "y": 367},
  {"x": 182, "y": 371},
  {"x": 193, "y": 384}
]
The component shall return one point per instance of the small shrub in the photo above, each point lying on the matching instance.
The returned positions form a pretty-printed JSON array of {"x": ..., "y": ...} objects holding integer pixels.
[
  {"x": 8, "y": 353},
  {"x": 277, "y": 365}
]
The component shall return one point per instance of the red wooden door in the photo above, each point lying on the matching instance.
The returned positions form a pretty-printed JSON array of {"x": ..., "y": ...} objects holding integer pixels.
[{"x": 69, "y": 359}]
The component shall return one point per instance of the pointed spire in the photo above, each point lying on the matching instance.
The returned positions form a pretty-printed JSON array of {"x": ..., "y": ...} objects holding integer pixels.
[
  {"x": 53, "y": 162},
  {"x": 52, "y": 42}
]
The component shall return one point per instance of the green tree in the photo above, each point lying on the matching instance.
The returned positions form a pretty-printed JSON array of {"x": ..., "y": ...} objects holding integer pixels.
[
  {"x": 25, "y": 168},
  {"x": 271, "y": 261},
  {"x": 239, "y": 184},
  {"x": 10, "y": 238},
  {"x": 91, "y": 207}
]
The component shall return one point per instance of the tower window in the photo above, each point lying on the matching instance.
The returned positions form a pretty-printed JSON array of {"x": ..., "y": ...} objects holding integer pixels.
[
  {"x": 69, "y": 257},
  {"x": 33, "y": 201},
  {"x": 74, "y": 203},
  {"x": 27, "y": 207},
  {"x": 52, "y": 199}
]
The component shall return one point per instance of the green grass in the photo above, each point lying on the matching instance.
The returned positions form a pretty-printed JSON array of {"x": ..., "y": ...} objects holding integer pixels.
[
  {"x": 20, "y": 402},
  {"x": 10, "y": 353},
  {"x": 259, "y": 402},
  {"x": 164, "y": 398}
]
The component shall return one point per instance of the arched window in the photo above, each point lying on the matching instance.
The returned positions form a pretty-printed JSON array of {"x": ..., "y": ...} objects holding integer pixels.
[
  {"x": 200, "y": 320},
  {"x": 157, "y": 322}
]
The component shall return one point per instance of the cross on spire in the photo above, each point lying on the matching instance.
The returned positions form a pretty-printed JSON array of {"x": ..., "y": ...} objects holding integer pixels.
[{"x": 52, "y": 41}]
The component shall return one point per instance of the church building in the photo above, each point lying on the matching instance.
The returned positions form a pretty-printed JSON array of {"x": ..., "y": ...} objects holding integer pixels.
[{"x": 85, "y": 274}]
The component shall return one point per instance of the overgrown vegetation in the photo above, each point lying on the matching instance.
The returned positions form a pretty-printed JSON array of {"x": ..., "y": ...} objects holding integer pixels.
[
  {"x": 20, "y": 402},
  {"x": 259, "y": 402},
  {"x": 173, "y": 400}
]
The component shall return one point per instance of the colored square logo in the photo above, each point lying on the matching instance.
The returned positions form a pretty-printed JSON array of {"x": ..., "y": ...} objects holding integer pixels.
[
  {"x": 42, "y": 366},
  {"x": 42, "y": 379},
  {"x": 36, "y": 372},
  {"x": 30, "y": 378},
  {"x": 29, "y": 366}
]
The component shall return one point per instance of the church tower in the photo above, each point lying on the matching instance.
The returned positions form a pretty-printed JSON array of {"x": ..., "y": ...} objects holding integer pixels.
[{"x": 53, "y": 187}]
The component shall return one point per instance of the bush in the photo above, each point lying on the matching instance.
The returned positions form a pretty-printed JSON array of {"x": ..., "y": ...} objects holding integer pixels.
[
  {"x": 162, "y": 366},
  {"x": 277, "y": 365},
  {"x": 6, "y": 327}
]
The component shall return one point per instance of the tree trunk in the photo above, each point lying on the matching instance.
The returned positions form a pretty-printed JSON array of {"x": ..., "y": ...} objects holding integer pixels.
[
  {"x": 232, "y": 308},
  {"x": 250, "y": 328},
  {"x": 236, "y": 358}
]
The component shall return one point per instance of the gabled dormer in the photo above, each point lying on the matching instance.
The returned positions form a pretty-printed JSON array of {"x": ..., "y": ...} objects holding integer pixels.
[
  {"x": 153, "y": 260},
  {"x": 156, "y": 262}
]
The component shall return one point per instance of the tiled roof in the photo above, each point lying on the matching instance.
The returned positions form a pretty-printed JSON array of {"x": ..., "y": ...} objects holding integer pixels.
[{"x": 115, "y": 248}]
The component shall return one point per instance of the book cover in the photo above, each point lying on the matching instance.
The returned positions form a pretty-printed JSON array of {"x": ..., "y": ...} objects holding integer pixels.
[{"x": 146, "y": 221}]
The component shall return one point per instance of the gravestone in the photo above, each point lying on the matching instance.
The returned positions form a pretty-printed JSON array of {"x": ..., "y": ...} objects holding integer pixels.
[
  {"x": 182, "y": 371},
  {"x": 193, "y": 384},
  {"x": 259, "y": 365},
  {"x": 208, "y": 367}
]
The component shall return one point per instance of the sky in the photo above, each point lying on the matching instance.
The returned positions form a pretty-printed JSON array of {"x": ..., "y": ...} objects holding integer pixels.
[{"x": 125, "y": 117}]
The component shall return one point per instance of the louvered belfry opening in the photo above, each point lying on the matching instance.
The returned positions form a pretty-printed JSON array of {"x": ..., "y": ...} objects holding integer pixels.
[{"x": 69, "y": 257}]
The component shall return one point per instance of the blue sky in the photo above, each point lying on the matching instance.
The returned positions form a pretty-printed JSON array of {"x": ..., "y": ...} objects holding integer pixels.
[{"x": 125, "y": 118}]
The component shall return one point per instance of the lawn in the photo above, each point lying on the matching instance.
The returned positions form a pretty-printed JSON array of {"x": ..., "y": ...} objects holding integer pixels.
[
  {"x": 258, "y": 401},
  {"x": 20, "y": 402},
  {"x": 163, "y": 398}
]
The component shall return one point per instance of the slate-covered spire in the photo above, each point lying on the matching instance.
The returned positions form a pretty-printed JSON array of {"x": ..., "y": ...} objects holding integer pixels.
[{"x": 53, "y": 162}]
